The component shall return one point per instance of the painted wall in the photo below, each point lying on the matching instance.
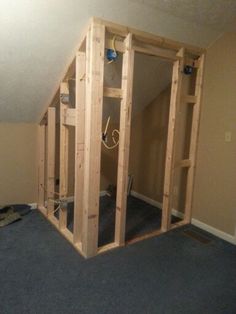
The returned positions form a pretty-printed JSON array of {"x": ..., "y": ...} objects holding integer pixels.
[
  {"x": 18, "y": 163},
  {"x": 148, "y": 147},
  {"x": 215, "y": 195}
]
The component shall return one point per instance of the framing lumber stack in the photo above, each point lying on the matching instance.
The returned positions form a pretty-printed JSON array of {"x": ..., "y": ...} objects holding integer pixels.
[{"x": 87, "y": 69}]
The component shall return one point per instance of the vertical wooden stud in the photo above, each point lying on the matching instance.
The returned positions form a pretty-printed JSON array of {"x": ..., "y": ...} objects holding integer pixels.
[
  {"x": 124, "y": 140},
  {"x": 51, "y": 141},
  {"x": 193, "y": 141},
  {"x": 95, "y": 46},
  {"x": 41, "y": 167},
  {"x": 169, "y": 167},
  {"x": 79, "y": 145},
  {"x": 64, "y": 140}
]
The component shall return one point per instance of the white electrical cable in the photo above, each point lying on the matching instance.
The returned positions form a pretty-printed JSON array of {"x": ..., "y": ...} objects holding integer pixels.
[
  {"x": 115, "y": 131},
  {"x": 57, "y": 202}
]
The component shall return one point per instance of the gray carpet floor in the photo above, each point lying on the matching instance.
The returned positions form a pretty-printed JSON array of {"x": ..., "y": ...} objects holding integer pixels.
[
  {"x": 141, "y": 218},
  {"x": 171, "y": 273}
]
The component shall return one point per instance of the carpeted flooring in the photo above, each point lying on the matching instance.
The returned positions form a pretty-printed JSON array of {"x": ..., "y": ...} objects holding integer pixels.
[
  {"x": 142, "y": 218},
  {"x": 41, "y": 273}
]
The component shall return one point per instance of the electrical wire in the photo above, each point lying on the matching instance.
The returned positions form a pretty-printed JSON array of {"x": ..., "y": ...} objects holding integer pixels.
[
  {"x": 57, "y": 201},
  {"x": 115, "y": 131},
  {"x": 113, "y": 48}
]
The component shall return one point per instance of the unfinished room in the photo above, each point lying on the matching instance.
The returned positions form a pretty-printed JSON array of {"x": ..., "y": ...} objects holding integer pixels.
[{"x": 117, "y": 128}]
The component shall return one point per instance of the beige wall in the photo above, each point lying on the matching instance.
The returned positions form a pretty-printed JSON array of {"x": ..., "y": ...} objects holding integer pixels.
[
  {"x": 215, "y": 186},
  {"x": 148, "y": 147},
  {"x": 147, "y": 150},
  {"x": 109, "y": 163},
  {"x": 18, "y": 164}
]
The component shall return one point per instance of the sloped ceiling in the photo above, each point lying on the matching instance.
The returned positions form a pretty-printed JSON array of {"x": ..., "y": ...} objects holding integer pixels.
[
  {"x": 38, "y": 38},
  {"x": 216, "y": 14}
]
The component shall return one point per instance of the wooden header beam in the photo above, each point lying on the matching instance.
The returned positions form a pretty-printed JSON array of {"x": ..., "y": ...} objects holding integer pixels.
[{"x": 148, "y": 38}]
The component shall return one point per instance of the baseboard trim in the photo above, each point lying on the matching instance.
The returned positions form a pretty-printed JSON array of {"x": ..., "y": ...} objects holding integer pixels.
[
  {"x": 146, "y": 199},
  {"x": 216, "y": 232},
  {"x": 177, "y": 213},
  {"x": 152, "y": 202}
]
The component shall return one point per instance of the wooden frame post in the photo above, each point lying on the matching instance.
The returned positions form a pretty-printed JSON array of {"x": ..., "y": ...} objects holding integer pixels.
[
  {"x": 95, "y": 46},
  {"x": 51, "y": 142},
  {"x": 169, "y": 165},
  {"x": 64, "y": 141},
  {"x": 193, "y": 142},
  {"x": 79, "y": 145},
  {"x": 41, "y": 166},
  {"x": 124, "y": 140},
  {"x": 87, "y": 119}
]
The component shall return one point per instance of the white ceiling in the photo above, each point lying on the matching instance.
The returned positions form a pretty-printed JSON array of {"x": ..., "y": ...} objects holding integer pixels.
[{"x": 38, "y": 38}]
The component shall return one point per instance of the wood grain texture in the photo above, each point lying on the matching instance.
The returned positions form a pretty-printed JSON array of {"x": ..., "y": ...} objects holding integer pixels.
[
  {"x": 51, "y": 149},
  {"x": 124, "y": 140},
  {"x": 79, "y": 145},
  {"x": 95, "y": 47},
  {"x": 171, "y": 138}
]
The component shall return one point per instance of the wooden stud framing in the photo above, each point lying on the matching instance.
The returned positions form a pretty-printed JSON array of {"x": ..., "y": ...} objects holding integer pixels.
[
  {"x": 87, "y": 67},
  {"x": 185, "y": 163},
  {"x": 193, "y": 142},
  {"x": 51, "y": 141},
  {"x": 190, "y": 99},
  {"x": 155, "y": 51},
  {"x": 95, "y": 47},
  {"x": 41, "y": 167},
  {"x": 69, "y": 117},
  {"x": 113, "y": 92},
  {"x": 79, "y": 145},
  {"x": 123, "y": 159},
  {"x": 64, "y": 139},
  {"x": 174, "y": 102},
  {"x": 148, "y": 38}
]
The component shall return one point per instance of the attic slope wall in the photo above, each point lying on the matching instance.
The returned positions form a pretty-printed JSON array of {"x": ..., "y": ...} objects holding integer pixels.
[{"x": 18, "y": 166}]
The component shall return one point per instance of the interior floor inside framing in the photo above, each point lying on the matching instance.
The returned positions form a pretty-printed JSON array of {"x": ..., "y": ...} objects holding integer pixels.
[{"x": 142, "y": 218}]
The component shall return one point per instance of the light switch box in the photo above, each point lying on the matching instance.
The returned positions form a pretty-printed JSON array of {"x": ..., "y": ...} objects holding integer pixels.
[{"x": 227, "y": 136}]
